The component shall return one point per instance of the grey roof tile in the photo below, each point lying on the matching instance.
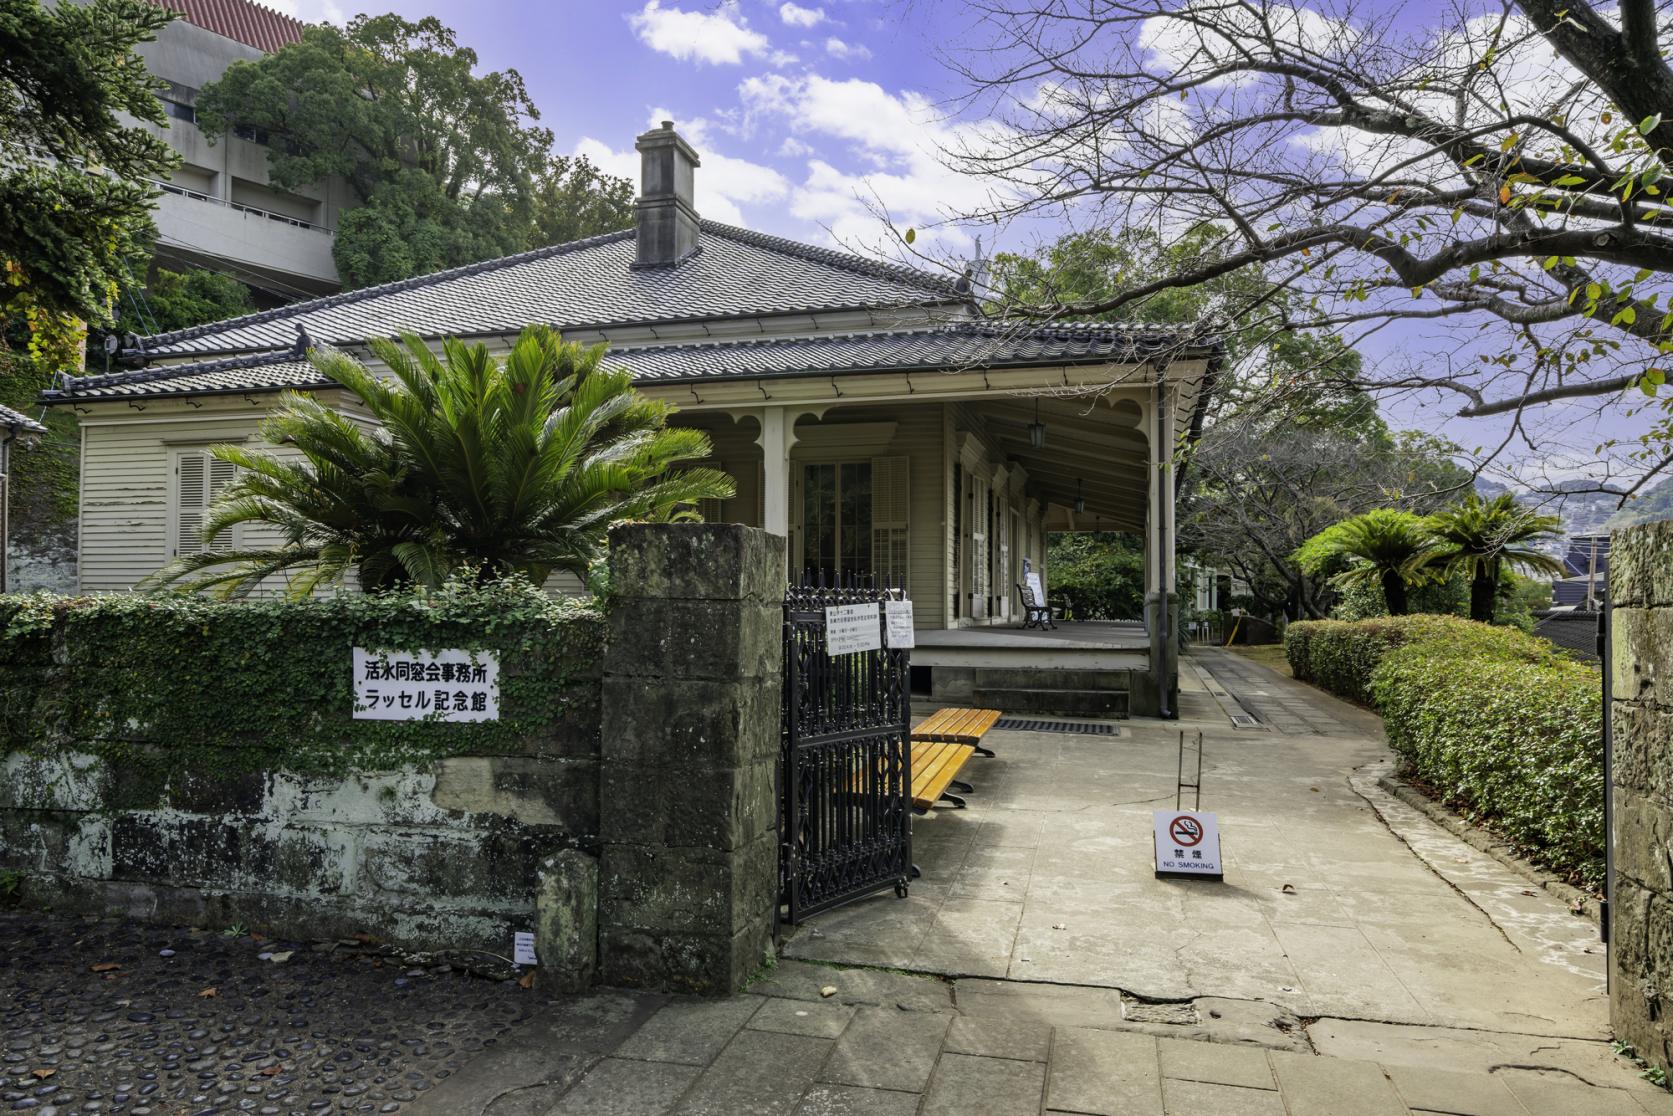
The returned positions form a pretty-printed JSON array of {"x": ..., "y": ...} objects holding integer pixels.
[
  {"x": 18, "y": 421},
  {"x": 969, "y": 344},
  {"x": 583, "y": 283}
]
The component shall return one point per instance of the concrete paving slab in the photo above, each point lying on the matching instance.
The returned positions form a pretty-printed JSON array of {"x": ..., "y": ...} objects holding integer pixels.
[
  {"x": 1548, "y": 1097},
  {"x": 1215, "y": 1064},
  {"x": 1000, "y": 1038},
  {"x": 803, "y": 1017},
  {"x": 801, "y": 980},
  {"x": 848, "y": 1100},
  {"x": 1461, "y": 1050},
  {"x": 1104, "y": 1073},
  {"x": 1457, "y": 1094},
  {"x": 885, "y": 1048},
  {"x": 1198, "y": 1098},
  {"x": 758, "y": 1074},
  {"x": 1335, "y": 1087},
  {"x": 690, "y": 1032},
  {"x": 992, "y": 1086},
  {"x": 618, "y": 1087}
]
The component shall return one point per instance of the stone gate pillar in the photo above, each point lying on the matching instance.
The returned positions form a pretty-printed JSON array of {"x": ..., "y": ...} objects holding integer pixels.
[
  {"x": 688, "y": 887},
  {"x": 1641, "y": 693}
]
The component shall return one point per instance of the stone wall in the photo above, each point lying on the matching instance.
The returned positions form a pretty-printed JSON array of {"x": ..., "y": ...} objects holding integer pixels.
[
  {"x": 1641, "y": 687},
  {"x": 634, "y": 829}
]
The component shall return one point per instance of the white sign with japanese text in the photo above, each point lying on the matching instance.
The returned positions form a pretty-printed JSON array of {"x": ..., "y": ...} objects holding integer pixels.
[
  {"x": 851, "y": 628},
  {"x": 897, "y": 619},
  {"x": 426, "y": 685},
  {"x": 1188, "y": 844}
]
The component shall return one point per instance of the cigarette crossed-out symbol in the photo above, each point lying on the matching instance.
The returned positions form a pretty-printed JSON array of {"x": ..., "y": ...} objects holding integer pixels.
[{"x": 1185, "y": 830}]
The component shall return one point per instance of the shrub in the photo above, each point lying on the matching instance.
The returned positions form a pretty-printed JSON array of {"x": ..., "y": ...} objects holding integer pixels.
[
  {"x": 1513, "y": 738},
  {"x": 1495, "y": 721}
]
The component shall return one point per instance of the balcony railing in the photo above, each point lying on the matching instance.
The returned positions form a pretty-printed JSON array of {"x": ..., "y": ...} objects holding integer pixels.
[{"x": 285, "y": 218}]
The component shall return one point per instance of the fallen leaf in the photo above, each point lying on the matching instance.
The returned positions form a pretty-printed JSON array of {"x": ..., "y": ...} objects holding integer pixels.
[
  {"x": 254, "y": 937},
  {"x": 43, "y": 1073},
  {"x": 828, "y": 991},
  {"x": 209, "y": 993},
  {"x": 1315, "y": 790},
  {"x": 270, "y": 1071},
  {"x": 104, "y": 966},
  {"x": 526, "y": 980},
  {"x": 1288, "y": 889},
  {"x": 280, "y": 958},
  {"x": 1526, "y": 891}
]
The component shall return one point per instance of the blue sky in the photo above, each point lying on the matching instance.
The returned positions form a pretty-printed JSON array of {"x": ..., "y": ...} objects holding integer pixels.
[{"x": 808, "y": 115}]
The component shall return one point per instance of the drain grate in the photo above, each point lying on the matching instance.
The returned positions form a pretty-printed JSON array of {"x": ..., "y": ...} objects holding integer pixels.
[{"x": 1022, "y": 725}]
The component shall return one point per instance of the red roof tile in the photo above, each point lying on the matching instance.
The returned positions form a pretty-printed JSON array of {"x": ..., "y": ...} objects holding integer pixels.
[{"x": 242, "y": 20}]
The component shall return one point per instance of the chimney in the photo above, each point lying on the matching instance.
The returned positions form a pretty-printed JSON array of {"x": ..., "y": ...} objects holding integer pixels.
[{"x": 667, "y": 223}]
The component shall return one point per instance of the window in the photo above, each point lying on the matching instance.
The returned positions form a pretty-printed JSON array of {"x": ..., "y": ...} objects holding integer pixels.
[
  {"x": 854, "y": 519},
  {"x": 198, "y": 480},
  {"x": 180, "y": 111}
]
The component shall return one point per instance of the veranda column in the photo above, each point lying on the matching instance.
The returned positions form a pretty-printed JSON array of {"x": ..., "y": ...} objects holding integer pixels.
[
  {"x": 1159, "y": 697},
  {"x": 778, "y": 434}
]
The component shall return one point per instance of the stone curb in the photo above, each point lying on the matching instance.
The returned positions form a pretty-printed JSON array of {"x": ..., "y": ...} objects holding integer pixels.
[{"x": 1583, "y": 903}]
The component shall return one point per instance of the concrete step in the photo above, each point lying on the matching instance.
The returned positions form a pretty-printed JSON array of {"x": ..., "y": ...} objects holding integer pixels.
[
  {"x": 1074, "y": 702},
  {"x": 1030, "y": 678}
]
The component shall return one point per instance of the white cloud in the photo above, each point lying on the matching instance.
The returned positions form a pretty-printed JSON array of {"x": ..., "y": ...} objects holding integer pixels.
[
  {"x": 714, "y": 36},
  {"x": 797, "y": 16},
  {"x": 311, "y": 11},
  {"x": 897, "y": 138},
  {"x": 836, "y": 48}
]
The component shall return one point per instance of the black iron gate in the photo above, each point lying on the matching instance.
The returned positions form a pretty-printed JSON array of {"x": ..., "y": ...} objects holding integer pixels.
[{"x": 845, "y": 765}]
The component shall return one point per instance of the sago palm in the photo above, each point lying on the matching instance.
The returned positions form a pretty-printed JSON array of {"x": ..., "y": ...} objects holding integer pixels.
[
  {"x": 495, "y": 466},
  {"x": 1384, "y": 547},
  {"x": 1479, "y": 538}
]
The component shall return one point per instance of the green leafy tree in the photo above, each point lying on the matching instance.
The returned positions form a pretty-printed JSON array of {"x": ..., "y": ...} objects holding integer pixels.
[
  {"x": 173, "y": 300},
  {"x": 1383, "y": 547},
  {"x": 499, "y": 467},
  {"x": 448, "y": 165},
  {"x": 75, "y": 200},
  {"x": 574, "y": 199},
  {"x": 1483, "y": 539},
  {"x": 1099, "y": 574}
]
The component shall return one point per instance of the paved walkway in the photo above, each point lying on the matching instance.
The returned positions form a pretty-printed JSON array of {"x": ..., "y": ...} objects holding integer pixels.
[{"x": 1358, "y": 960}]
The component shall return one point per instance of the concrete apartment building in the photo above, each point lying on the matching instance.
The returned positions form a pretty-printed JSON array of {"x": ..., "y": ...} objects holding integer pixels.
[{"x": 218, "y": 209}]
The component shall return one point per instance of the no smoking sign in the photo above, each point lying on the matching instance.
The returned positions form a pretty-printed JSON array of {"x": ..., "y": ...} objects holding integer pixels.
[{"x": 1188, "y": 844}]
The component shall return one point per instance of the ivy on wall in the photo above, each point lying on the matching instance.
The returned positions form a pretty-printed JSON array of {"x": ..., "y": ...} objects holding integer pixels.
[{"x": 163, "y": 685}]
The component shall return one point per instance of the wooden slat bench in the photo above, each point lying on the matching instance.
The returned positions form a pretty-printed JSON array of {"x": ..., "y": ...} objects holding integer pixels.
[
  {"x": 935, "y": 768},
  {"x": 957, "y": 726}
]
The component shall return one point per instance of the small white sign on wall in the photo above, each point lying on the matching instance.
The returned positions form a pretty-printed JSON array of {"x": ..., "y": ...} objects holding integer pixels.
[
  {"x": 452, "y": 685},
  {"x": 851, "y": 628},
  {"x": 897, "y": 618},
  {"x": 522, "y": 948},
  {"x": 1188, "y": 844}
]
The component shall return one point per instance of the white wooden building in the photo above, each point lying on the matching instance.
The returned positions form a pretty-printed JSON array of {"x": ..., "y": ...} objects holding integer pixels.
[{"x": 868, "y": 412}]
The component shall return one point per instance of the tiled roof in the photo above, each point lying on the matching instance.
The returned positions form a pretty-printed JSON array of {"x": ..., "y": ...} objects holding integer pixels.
[
  {"x": 1576, "y": 631},
  {"x": 968, "y": 344},
  {"x": 585, "y": 283},
  {"x": 17, "y": 422},
  {"x": 249, "y": 23}
]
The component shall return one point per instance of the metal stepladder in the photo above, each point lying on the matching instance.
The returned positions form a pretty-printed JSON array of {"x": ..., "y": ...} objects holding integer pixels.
[{"x": 1195, "y": 786}]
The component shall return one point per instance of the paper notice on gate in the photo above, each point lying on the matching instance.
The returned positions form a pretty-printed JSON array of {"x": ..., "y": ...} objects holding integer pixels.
[
  {"x": 851, "y": 628},
  {"x": 897, "y": 621}
]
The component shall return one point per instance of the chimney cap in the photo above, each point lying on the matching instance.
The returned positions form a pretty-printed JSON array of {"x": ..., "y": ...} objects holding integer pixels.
[{"x": 666, "y": 136}]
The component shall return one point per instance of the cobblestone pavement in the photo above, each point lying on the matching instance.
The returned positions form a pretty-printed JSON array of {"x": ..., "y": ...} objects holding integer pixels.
[{"x": 122, "y": 1018}]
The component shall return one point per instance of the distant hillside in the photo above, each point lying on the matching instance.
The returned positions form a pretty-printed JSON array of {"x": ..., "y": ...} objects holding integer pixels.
[{"x": 1653, "y": 504}]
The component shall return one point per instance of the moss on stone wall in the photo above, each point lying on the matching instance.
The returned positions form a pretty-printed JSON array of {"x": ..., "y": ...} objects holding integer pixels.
[{"x": 163, "y": 687}]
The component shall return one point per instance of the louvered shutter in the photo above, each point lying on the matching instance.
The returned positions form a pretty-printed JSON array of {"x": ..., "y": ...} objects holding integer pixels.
[
  {"x": 191, "y": 494},
  {"x": 890, "y": 537},
  {"x": 199, "y": 480}
]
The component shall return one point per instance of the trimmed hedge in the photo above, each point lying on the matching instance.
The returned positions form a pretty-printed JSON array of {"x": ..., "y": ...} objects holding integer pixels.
[
  {"x": 184, "y": 683},
  {"x": 1498, "y": 723}
]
